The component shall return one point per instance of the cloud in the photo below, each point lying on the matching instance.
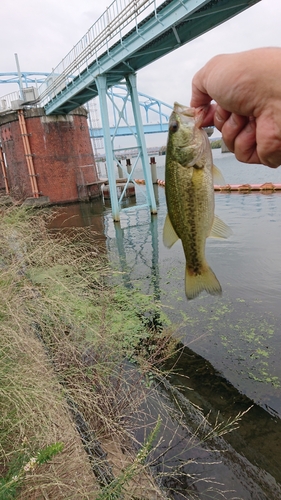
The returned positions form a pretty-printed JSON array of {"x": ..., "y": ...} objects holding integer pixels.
[{"x": 42, "y": 33}]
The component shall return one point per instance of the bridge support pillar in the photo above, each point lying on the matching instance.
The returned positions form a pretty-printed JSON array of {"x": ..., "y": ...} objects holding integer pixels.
[
  {"x": 49, "y": 159},
  {"x": 131, "y": 80},
  {"x": 109, "y": 153},
  {"x": 111, "y": 159}
]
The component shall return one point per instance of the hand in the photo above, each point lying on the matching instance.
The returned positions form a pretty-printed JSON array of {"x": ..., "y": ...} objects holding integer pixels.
[{"x": 247, "y": 89}]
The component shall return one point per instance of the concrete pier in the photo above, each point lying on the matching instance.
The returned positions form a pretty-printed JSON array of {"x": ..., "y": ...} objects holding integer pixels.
[{"x": 48, "y": 157}]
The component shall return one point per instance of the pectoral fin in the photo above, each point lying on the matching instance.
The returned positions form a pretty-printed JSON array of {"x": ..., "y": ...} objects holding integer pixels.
[
  {"x": 169, "y": 234},
  {"x": 217, "y": 176},
  {"x": 220, "y": 229}
]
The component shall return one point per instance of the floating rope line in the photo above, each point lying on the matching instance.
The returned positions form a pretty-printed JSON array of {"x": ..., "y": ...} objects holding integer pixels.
[{"x": 245, "y": 188}]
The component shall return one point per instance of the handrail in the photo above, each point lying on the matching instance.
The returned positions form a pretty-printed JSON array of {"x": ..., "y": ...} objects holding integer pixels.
[
  {"x": 6, "y": 100},
  {"x": 107, "y": 30}
]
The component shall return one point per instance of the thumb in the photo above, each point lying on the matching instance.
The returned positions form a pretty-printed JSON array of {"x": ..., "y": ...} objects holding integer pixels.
[{"x": 199, "y": 98}]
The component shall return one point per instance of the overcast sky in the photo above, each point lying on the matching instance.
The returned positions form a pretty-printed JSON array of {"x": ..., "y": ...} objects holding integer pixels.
[{"x": 43, "y": 32}]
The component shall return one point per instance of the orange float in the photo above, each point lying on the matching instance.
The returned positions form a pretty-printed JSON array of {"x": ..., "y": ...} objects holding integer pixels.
[
  {"x": 242, "y": 188},
  {"x": 246, "y": 188}
]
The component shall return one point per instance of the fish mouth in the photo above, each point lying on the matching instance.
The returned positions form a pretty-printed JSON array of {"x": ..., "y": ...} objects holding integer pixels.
[
  {"x": 197, "y": 113},
  {"x": 184, "y": 110}
]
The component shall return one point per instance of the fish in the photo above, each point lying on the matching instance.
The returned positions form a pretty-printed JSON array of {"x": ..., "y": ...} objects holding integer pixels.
[{"x": 189, "y": 189}]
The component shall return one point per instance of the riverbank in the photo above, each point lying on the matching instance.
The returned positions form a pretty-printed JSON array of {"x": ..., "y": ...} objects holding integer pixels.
[{"x": 66, "y": 397}]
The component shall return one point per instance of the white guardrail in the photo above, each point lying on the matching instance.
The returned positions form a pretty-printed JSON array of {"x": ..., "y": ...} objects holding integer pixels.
[
  {"x": 118, "y": 19},
  {"x": 15, "y": 100},
  {"x": 7, "y": 100}
]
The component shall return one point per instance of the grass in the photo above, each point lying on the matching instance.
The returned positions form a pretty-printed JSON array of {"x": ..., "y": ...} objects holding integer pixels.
[
  {"x": 64, "y": 337},
  {"x": 78, "y": 362}
]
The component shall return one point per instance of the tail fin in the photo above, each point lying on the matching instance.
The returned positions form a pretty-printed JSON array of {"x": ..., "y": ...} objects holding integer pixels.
[{"x": 196, "y": 283}]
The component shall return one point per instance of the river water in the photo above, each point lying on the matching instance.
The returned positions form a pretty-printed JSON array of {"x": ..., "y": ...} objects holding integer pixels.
[{"x": 232, "y": 355}]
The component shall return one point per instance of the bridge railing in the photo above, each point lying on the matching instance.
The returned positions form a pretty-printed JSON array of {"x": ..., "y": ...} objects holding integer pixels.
[
  {"x": 112, "y": 26},
  {"x": 15, "y": 100},
  {"x": 10, "y": 101}
]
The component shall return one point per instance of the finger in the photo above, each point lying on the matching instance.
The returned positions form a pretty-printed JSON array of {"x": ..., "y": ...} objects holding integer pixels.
[
  {"x": 272, "y": 160},
  {"x": 220, "y": 117},
  {"x": 209, "y": 116},
  {"x": 268, "y": 142},
  {"x": 199, "y": 96},
  {"x": 231, "y": 128},
  {"x": 245, "y": 146}
]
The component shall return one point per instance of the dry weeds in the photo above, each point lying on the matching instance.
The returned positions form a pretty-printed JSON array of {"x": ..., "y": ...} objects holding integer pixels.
[{"x": 62, "y": 361}]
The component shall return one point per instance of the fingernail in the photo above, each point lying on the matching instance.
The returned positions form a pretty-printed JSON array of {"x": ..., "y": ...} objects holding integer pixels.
[
  {"x": 218, "y": 116},
  {"x": 232, "y": 120}
]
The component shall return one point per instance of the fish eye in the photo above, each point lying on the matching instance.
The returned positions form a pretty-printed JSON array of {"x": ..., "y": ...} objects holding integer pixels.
[{"x": 174, "y": 126}]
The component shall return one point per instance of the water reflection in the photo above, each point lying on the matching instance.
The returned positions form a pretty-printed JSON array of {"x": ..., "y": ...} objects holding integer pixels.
[
  {"x": 258, "y": 435},
  {"x": 122, "y": 255},
  {"x": 152, "y": 266},
  {"x": 91, "y": 215}
]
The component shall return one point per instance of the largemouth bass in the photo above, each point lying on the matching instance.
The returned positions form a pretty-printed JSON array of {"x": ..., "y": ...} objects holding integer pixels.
[{"x": 189, "y": 189}]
